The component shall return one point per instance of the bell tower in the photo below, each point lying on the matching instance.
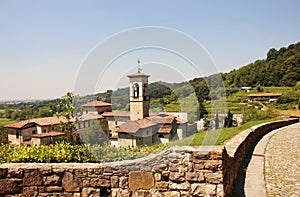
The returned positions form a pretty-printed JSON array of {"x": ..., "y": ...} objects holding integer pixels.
[{"x": 138, "y": 96}]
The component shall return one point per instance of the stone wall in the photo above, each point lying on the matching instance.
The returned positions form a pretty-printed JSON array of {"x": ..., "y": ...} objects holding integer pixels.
[{"x": 179, "y": 171}]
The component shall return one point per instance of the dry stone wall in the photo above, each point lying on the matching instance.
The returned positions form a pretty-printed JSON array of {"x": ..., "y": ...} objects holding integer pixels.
[{"x": 178, "y": 171}]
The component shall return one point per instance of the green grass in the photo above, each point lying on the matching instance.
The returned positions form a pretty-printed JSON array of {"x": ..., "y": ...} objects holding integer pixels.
[
  {"x": 173, "y": 107},
  {"x": 5, "y": 121},
  {"x": 215, "y": 137}
]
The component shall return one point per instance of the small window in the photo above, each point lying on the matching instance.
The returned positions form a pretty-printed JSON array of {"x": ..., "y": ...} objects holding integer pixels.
[
  {"x": 17, "y": 134},
  {"x": 44, "y": 130},
  {"x": 161, "y": 136},
  {"x": 52, "y": 128},
  {"x": 136, "y": 90},
  {"x": 34, "y": 132}
]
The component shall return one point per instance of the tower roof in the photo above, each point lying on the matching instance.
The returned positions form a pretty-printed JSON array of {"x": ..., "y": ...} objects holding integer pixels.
[{"x": 138, "y": 74}]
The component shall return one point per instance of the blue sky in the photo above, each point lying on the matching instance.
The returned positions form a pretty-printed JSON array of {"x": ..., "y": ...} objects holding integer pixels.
[{"x": 44, "y": 43}]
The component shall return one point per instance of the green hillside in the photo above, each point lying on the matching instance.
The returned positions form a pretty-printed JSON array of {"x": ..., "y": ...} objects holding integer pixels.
[{"x": 280, "y": 68}]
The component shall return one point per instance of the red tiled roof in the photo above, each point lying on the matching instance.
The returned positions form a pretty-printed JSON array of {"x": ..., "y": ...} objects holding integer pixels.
[
  {"x": 138, "y": 74},
  {"x": 96, "y": 104},
  {"x": 90, "y": 116},
  {"x": 40, "y": 121},
  {"x": 166, "y": 119},
  {"x": 117, "y": 114},
  {"x": 50, "y": 134},
  {"x": 164, "y": 130},
  {"x": 134, "y": 126},
  {"x": 265, "y": 95}
]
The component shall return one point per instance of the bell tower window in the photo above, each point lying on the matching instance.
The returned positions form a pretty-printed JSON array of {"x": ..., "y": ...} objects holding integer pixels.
[{"x": 136, "y": 90}]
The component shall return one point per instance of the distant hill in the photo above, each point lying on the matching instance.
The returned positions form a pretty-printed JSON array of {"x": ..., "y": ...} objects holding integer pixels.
[{"x": 280, "y": 68}]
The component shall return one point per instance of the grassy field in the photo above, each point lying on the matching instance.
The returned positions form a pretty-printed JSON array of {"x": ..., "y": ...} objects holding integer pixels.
[
  {"x": 5, "y": 121},
  {"x": 216, "y": 137}
]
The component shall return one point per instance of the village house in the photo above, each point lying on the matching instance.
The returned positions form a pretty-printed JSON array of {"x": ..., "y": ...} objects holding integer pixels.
[
  {"x": 270, "y": 97},
  {"x": 35, "y": 131},
  {"x": 137, "y": 127}
]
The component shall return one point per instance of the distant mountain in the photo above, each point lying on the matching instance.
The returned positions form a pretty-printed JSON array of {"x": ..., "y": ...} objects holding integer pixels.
[{"x": 280, "y": 68}]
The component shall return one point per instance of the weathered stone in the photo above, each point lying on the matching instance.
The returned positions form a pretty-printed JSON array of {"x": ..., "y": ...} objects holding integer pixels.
[
  {"x": 114, "y": 181},
  {"x": 157, "y": 176},
  {"x": 194, "y": 177},
  {"x": 141, "y": 180},
  {"x": 96, "y": 182},
  {"x": 185, "y": 194},
  {"x": 71, "y": 183},
  {"x": 143, "y": 193},
  {"x": 123, "y": 182},
  {"x": 203, "y": 189},
  {"x": 199, "y": 166},
  {"x": 171, "y": 194},
  {"x": 30, "y": 191},
  {"x": 160, "y": 167},
  {"x": 10, "y": 186},
  {"x": 85, "y": 182},
  {"x": 213, "y": 165},
  {"x": 46, "y": 171},
  {"x": 15, "y": 173},
  {"x": 53, "y": 189},
  {"x": 220, "y": 191},
  {"x": 58, "y": 171},
  {"x": 177, "y": 176},
  {"x": 90, "y": 192},
  {"x": 162, "y": 186},
  {"x": 52, "y": 180},
  {"x": 33, "y": 178},
  {"x": 174, "y": 167},
  {"x": 3, "y": 173},
  {"x": 213, "y": 178},
  {"x": 179, "y": 186},
  {"x": 117, "y": 192}
]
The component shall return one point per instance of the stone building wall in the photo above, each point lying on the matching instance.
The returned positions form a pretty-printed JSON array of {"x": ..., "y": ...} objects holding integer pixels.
[{"x": 178, "y": 171}]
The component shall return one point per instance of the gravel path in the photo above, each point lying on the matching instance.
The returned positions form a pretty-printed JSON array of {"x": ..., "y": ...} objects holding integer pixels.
[{"x": 282, "y": 162}]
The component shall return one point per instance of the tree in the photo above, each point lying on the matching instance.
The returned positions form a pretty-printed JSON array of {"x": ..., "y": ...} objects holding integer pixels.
[
  {"x": 96, "y": 133},
  {"x": 228, "y": 120},
  {"x": 69, "y": 127},
  {"x": 297, "y": 86}
]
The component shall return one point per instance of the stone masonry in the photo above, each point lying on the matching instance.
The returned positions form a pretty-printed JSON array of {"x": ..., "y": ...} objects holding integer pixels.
[{"x": 178, "y": 172}]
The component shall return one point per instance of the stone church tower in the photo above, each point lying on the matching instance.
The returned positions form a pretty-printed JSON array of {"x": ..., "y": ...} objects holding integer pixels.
[{"x": 138, "y": 97}]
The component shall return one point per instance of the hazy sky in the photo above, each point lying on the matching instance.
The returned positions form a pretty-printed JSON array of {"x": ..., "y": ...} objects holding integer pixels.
[{"x": 43, "y": 44}]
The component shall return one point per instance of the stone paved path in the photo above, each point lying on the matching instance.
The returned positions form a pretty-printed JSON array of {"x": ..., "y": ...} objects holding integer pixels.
[{"x": 282, "y": 162}]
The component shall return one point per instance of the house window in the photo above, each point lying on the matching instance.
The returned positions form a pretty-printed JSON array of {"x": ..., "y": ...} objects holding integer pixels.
[
  {"x": 44, "y": 130},
  {"x": 17, "y": 134},
  {"x": 34, "y": 132},
  {"x": 52, "y": 128},
  {"x": 136, "y": 90},
  {"x": 161, "y": 136}
]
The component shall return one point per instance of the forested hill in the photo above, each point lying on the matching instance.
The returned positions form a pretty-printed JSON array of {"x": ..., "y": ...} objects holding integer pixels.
[{"x": 280, "y": 68}]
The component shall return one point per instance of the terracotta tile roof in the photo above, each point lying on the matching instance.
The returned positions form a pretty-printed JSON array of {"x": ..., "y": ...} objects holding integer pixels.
[
  {"x": 165, "y": 130},
  {"x": 265, "y": 95},
  {"x": 117, "y": 114},
  {"x": 138, "y": 74},
  {"x": 89, "y": 116},
  {"x": 166, "y": 119},
  {"x": 96, "y": 104},
  {"x": 134, "y": 126},
  {"x": 39, "y": 121},
  {"x": 49, "y": 134}
]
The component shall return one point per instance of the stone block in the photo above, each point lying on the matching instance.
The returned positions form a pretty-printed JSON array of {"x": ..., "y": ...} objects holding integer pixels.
[
  {"x": 117, "y": 192},
  {"x": 10, "y": 186},
  {"x": 90, "y": 192},
  {"x": 53, "y": 189},
  {"x": 162, "y": 186},
  {"x": 213, "y": 165},
  {"x": 71, "y": 183},
  {"x": 171, "y": 194},
  {"x": 203, "y": 189},
  {"x": 114, "y": 180},
  {"x": 123, "y": 182},
  {"x": 52, "y": 180},
  {"x": 3, "y": 173},
  {"x": 214, "y": 177},
  {"x": 195, "y": 177},
  {"x": 33, "y": 178},
  {"x": 177, "y": 176},
  {"x": 97, "y": 182},
  {"x": 141, "y": 180},
  {"x": 15, "y": 173},
  {"x": 30, "y": 191},
  {"x": 157, "y": 176},
  {"x": 179, "y": 186},
  {"x": 144, "y": 193}
]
